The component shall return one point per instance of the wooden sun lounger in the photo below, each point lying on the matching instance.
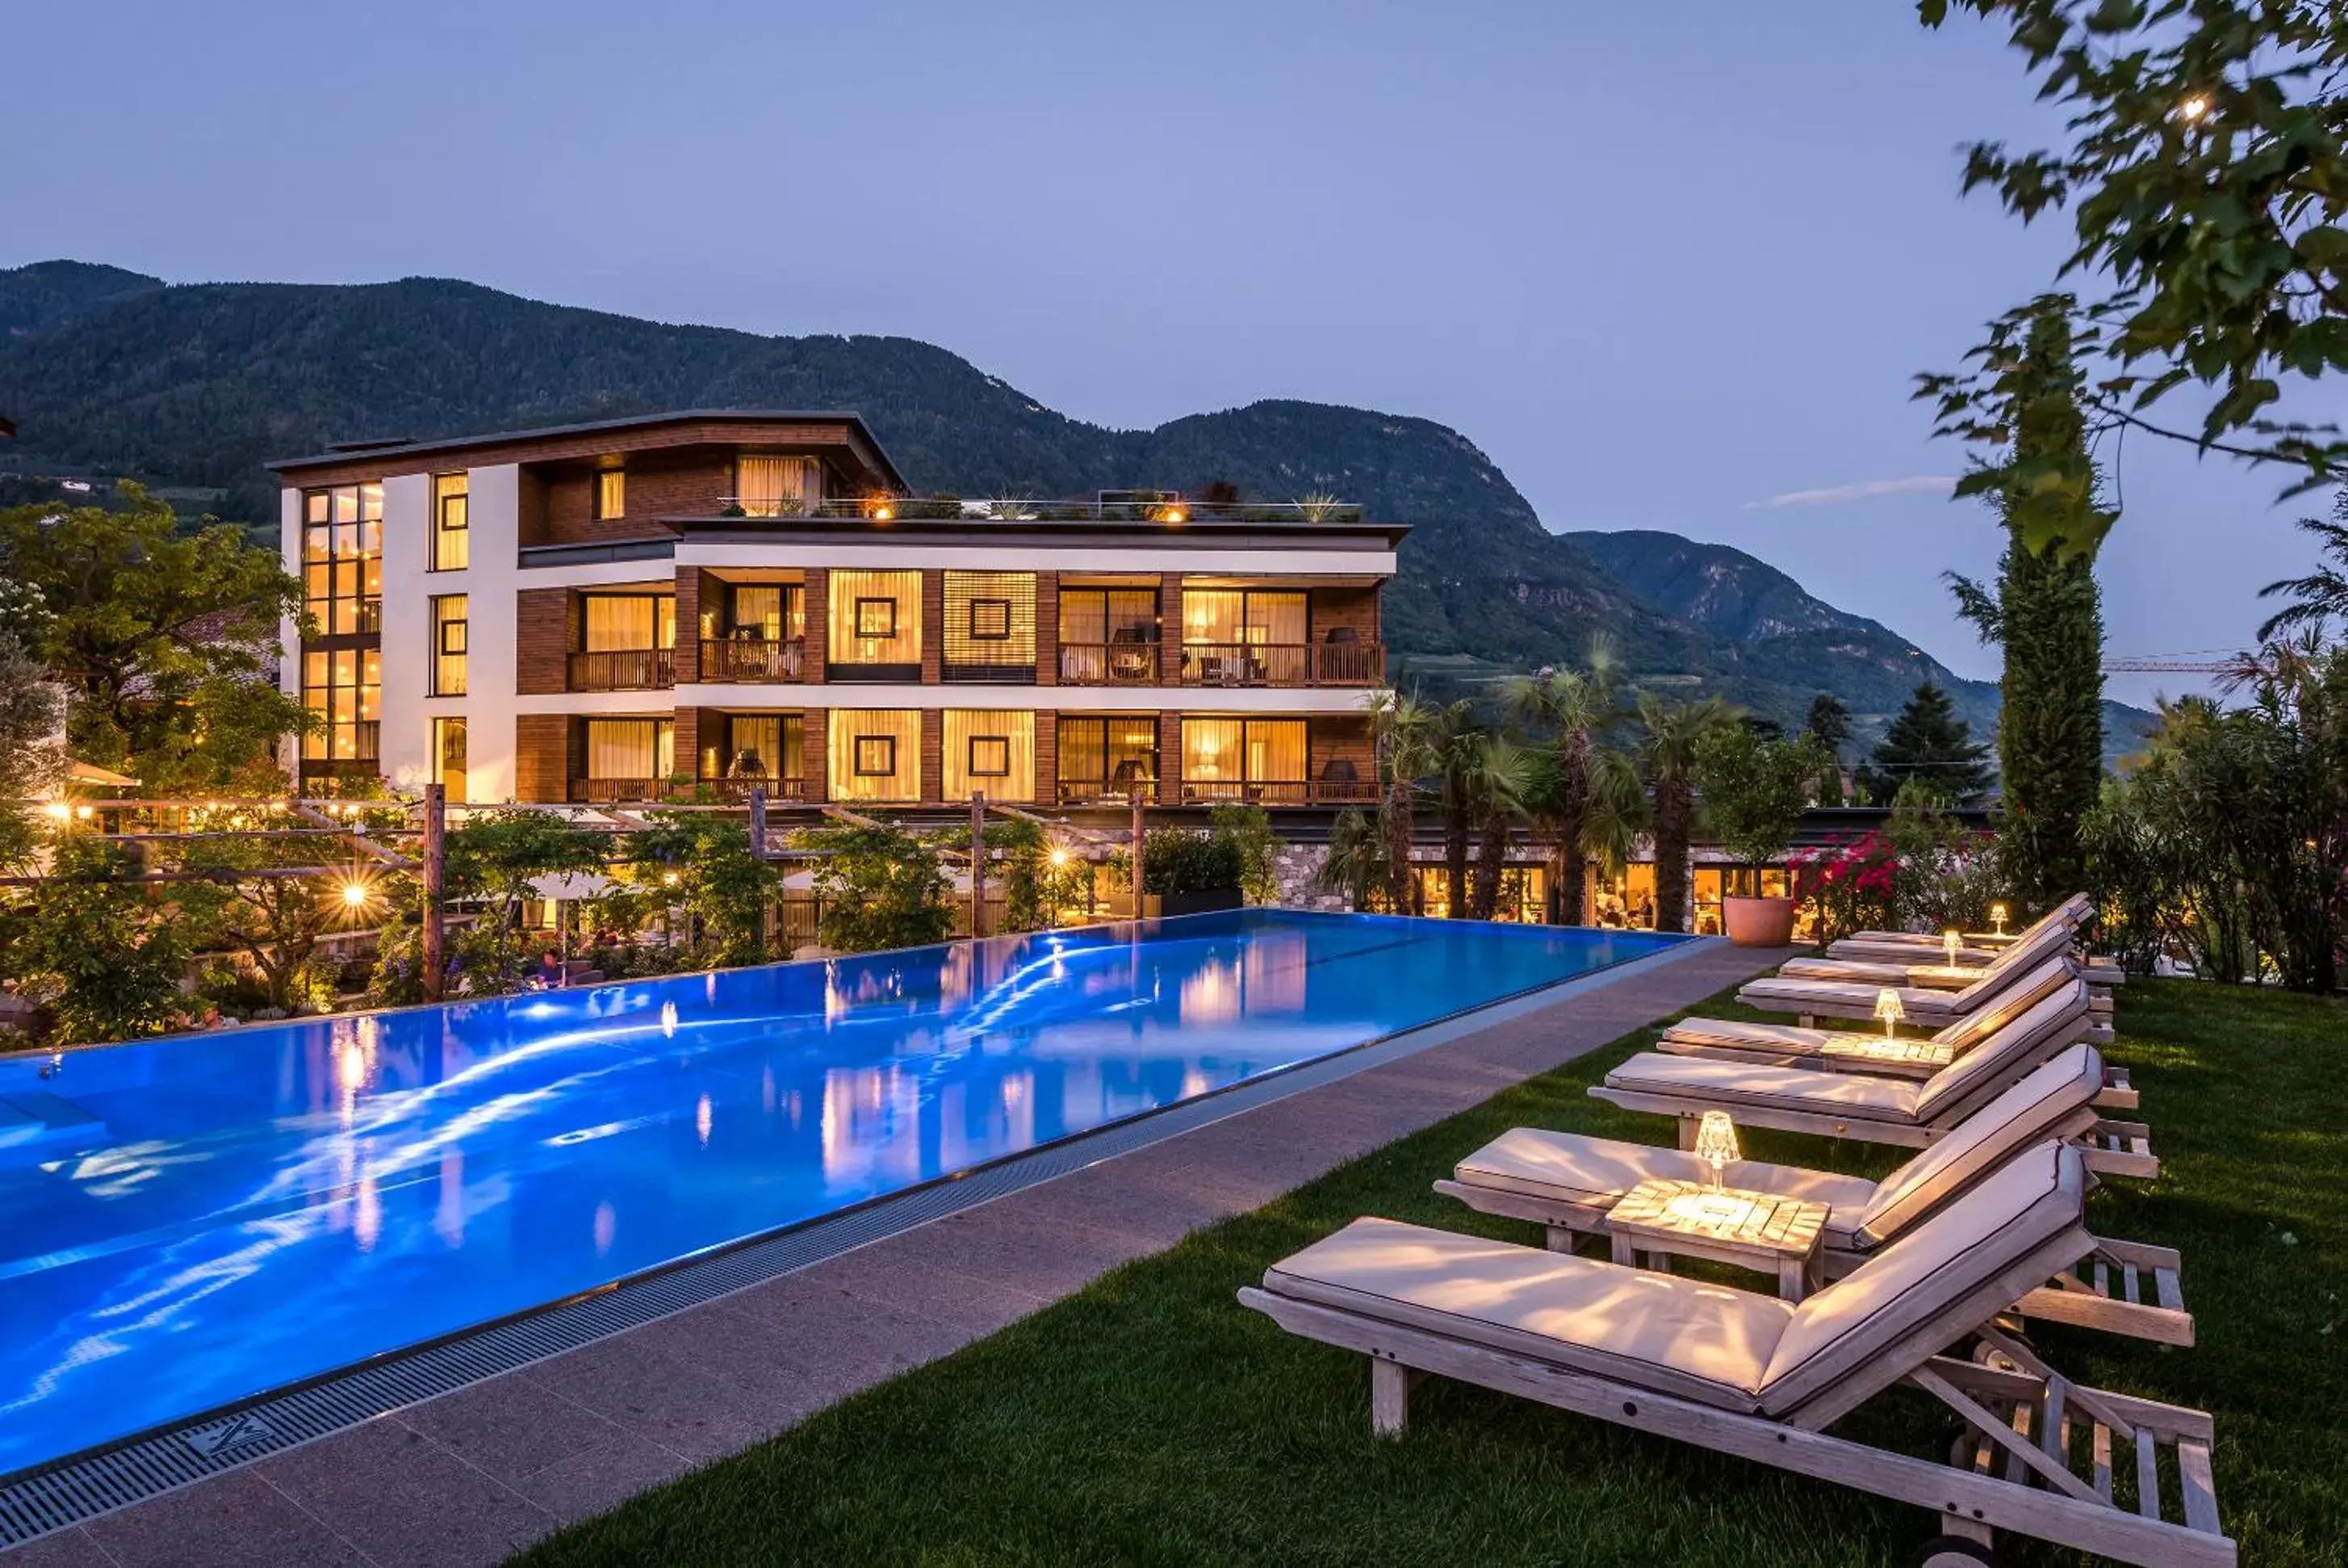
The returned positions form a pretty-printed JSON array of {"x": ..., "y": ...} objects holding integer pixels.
[
  {"x": 1922, "y": 1006},
  {"x": 2073, "y": 912},
  {"x": 1876, "y": 1109},
  {"x": 1569, "y": 1183},
  {"x": 1749, "y": 1376}
]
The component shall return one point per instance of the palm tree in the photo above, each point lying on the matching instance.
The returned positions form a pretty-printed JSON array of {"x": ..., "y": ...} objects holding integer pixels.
[
  {"x": 2322, "y": 593},
  {"x": 1667, "y": 758},
  {"x": 1357, "y": 861},
  {"x": 1503, "y": 779},
  {"x": 1403, "y": 729},
  {"x": 1578, "y": 707},
  {"x": 1458, "y": 742}
]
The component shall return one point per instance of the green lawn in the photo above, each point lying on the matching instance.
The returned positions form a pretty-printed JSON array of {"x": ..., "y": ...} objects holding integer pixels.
[{"x": 1150, "y": 1420}]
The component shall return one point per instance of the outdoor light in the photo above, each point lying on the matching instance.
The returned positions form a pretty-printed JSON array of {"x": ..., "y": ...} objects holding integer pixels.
[
  {"x": 881, "y": 514},
  {"x": 2194, "y": 107},
  {"x": 354, "y": 894},
  {"x": 58, "y": 811},
  {"x": 1171, "y": 514},
  {"x": 1059, "y": 854},
  {"x": 1888, "y": 1009},
  {"x": 668, "y": 878},
  {"x": 1997, "y": 918},
  {"x": 1715, "y": 1143},
  {"x": 1950, "y": 940},
  {"x": 82, "y": 812}
]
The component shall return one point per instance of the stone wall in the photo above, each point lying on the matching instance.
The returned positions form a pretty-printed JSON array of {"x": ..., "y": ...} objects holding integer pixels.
[{"x": 1298, "y": 867}]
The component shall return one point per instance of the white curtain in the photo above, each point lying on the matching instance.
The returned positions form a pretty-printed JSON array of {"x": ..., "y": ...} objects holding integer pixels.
[{"x": 779, "y": 486}]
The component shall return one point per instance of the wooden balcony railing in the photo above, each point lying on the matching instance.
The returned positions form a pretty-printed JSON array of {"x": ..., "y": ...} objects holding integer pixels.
[
  {"x": 748, "y": 659},
  {"x": 623, "y": 670},
  {"x": 1109, "y": 664},
  {"x": 1094, "y": 792},
  {"x": 1279, "y": 792},
  {"x": 778, "y": 789},
  {"x": 1283, "y": 663},
  {"x": 615, "y": 792}
]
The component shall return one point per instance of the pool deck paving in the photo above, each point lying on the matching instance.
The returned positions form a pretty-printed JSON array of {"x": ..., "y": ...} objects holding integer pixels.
[{"x": 473, "y": 1476}]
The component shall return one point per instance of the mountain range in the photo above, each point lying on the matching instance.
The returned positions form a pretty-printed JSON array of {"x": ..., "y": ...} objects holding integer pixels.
[{"x": 191, "y": 388}]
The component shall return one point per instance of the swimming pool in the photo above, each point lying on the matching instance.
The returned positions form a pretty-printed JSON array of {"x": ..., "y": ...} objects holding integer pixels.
[{"x": 190, "y": 1222}]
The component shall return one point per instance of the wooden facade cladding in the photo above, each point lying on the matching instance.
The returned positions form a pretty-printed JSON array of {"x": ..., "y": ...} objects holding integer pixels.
[
  {"x": 840, "y": 443},
  {"x": 1047, "y": 638},
  {"x": 1169, "y": 635},
  {"x": 1048, "y": 756},
  {"x": 815, "y": 741},
  {"x": 545, "y": 631},
  {"x": 816, "y": 600},
  {"x": 685, "y": 747},
  {"x": 1169, "y": 756},
  {"x": 697, "y": 596},
  {"x": 932, "y": 780},
  {"x": 1341, "y": 738},
  {"x": 1356, "y": 609},
  {"x": 933, "y": 641},
  {"x": 687, "y": 484},
  {"x": 541, "y": 757}
]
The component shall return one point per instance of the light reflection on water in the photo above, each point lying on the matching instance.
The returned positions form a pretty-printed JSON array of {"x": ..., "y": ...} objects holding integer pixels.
[{"x": 252, "y": 1207}]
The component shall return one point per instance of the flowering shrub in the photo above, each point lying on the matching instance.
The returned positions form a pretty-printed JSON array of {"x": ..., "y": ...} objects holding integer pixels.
[{"x": 1850, "y": 885}]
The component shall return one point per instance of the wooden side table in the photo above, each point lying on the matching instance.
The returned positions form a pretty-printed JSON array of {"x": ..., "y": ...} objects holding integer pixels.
[{"x": 1762, "y": 1231}]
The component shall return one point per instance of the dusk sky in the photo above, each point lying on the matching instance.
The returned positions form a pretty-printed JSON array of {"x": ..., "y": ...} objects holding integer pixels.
[{"x": 1673, "y": 267}]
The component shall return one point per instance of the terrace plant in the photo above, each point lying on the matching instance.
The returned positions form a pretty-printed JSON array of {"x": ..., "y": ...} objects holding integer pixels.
[
  {"x": 1752, "y": 790},
  {"x": 1250, "y": 827},
  {"x": 723, "y": 888},
  {"x": 879, "y": 888},
  {"x": 1178, "y": 860},
  {"x": 1850, "y": 885},
  {"x": 104, "y": 952}
]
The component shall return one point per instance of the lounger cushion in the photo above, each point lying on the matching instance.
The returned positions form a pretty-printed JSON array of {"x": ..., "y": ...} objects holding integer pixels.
[
  {"x": 2053, "y": 1022},
  {"x": 1798, "y": 994},
  {"x": 1726, "y": 1081},
  {"x": 1856, "y": 970},
  {"x": 1658, "y": 1331},
  {"x": 1789, "y": 1040},
  {"x": 1909, "y": 1302},
  {"x": 1570, "y": 1168},
  {"x": 2031, "y": 1112}
]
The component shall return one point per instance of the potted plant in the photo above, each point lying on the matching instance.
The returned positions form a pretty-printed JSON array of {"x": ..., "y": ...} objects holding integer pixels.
[
  {"x": 1752, "y": 790},
  {"x": 1188, "y": 873}
]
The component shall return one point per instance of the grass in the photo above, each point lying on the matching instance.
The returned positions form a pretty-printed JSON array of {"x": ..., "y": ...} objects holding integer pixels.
[{"x": 1150, "y": 1419}]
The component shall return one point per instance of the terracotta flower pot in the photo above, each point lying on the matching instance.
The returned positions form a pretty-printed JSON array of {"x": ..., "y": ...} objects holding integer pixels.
[{"x": 1758, "y": 922}]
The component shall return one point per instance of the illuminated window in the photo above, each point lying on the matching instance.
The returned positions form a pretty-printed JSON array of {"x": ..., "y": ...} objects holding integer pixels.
[
  {"x": 619, "y": 621},
  {"x": 990, "y": 619},
  {"x": 452, "y": 534},
  {"x": 876, "y": 625},
  {"x": 752, "y": 745},
  {"x": 769, "y": 612},
  {"x": 987, "y": 749},
  {"x": 342, "y": 559},
  {"x": 450, "y": 634},
  {"x": 1231, "y": 618},
  {"x": 449, "y": 751},
  {"x": 876, "y": 755},
  {"x": 610, "y": 494},
  {"x": 1108, "y": 758},
  {"x": 990, "y": 626},
  {"x": 635, "y": 753},
  {"x": 777, "y": 486},
  {"x": 1243, "y": 759},
  {"x": 344, "y": 686}
]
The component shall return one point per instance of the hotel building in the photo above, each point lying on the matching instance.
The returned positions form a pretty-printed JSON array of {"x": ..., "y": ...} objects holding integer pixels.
[{"x": 650, "y": 608}]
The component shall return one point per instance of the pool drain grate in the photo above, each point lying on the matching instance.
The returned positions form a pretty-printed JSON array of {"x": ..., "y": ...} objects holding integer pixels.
[{"x": 81, "y": 1489}]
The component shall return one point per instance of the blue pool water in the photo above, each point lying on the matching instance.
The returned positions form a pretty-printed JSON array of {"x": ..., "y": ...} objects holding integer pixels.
[{"x": 189, "y": 1222}]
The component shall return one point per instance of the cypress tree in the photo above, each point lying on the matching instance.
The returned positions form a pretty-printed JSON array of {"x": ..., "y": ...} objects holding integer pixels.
[{"x": 2048, "y": 614}]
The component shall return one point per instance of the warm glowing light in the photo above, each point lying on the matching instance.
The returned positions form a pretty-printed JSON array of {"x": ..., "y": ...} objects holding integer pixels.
[
  {"x": 883, "y": 514},
  {"x": 1888, "y": 1009},
  {"x": 2194, "y": 107},
  {"x": 1950, "y": 940},
  {"x": 703, "y": 1115},
  {"x": 1715, "y": 1143},
  {"x": 58, "y": 811},
  {"x": 1059, "y": 856},
  {"x": 668, "y": 878},
  {"x": 1172, "y": 515},
  {"x": 354, "y": 894},
  {"x": 1710, "y": 1209},
  {"x": 82, "y": 812},
  {"x": 1997, "y": 918}
]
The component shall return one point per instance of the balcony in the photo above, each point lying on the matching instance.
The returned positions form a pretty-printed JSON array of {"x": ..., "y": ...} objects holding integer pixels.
[
  {"x": 1116, "y": 792},
  {"x": 627, "y": 791},
  {"x": 1283, "y": 663},
  {"x": 624, "y": 670},
  {"x": 1109, "y": 664},
  {"x": 738, "y": 789},
  {"x": 752, "y": 660},
  {"x": 1279, "y": 792}
]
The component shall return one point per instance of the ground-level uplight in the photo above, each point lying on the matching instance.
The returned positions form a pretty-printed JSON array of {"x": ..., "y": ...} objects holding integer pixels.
[{"x": 1888, "y": 1009}]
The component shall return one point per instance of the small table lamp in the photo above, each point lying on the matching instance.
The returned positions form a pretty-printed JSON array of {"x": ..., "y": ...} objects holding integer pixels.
[
  {"x": 1950, "y": 940},
  {"x": 1888, "y": 1009},
  {"x": 1997, "y": 918},
  {"x": 1715, "y": 1143}
]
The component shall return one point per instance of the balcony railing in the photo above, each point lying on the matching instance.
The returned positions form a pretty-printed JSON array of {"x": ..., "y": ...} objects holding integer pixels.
[
  {"x": 623, "y": 670},
  {"x": 1109, "y": 664},
  {"x": 1017, "y": 509},
  {"x": 1283, "y": 663},
  {"x": 1095, "y": 792},
  {"x": 1279, "y": 792},
  {"x": 747, "y": 659},
  {"x": 647, "y": 792},
  {"x": 616, "y": 791},
  {"x": 738, "y": 789}
]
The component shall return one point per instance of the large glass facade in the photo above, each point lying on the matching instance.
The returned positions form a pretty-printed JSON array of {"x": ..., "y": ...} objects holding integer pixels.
[
  {"x": 1244, "y": 759},
  {"x": 344, "y": 686},
  {"x": 1108, "y": 758},
  {"x": 342, "y": 559},
  {"x": 451, "y": 629}
]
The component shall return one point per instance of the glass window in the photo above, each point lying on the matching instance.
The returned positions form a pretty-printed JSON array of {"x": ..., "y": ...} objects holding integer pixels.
[
  {"x": 452, "y": 549},
  {"x": 1226, "y": 757},
  {"x": 777, "y": 486},
  {"x": 621, "y": 621},
  {"x": 610, "y": 494},
  {"x": 1106, "y": 757},
  {"x": 754, "y": 746},
  {"x": 876, "y": 754},
  {"x": 1252, "y": 617},
  {"x": 637, "y": 750},
  {"x": 344, "y": 686},
  {"x": 342, "y": 559},
  {"x": 450, "y": 632},
  {"x": 769, "y": 612},
  {"x": 449, "y": 751},
  {"x": 876, "y": 618},
  {"x": 988, "y": 750}
]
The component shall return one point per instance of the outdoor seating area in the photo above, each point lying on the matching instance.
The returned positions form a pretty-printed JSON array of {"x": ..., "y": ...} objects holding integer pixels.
[{"x": 1571, "y": 1405}]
